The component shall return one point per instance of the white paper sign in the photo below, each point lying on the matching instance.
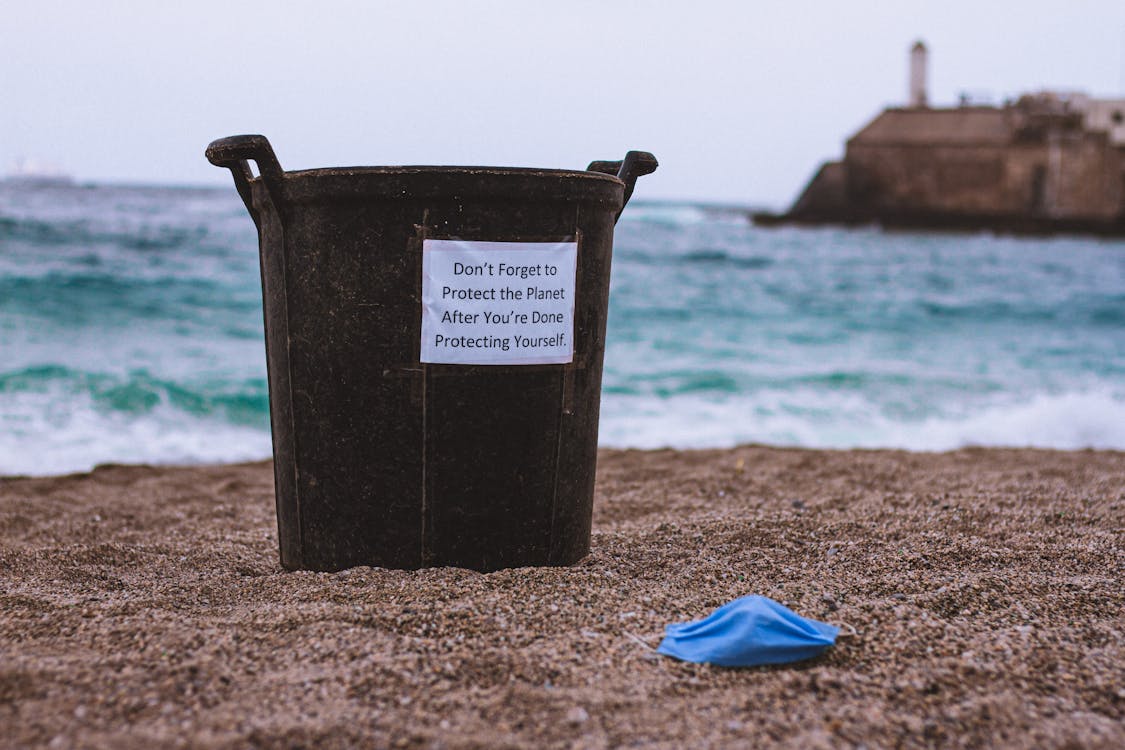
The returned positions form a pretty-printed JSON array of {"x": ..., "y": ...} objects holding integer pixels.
[{"x": 498, "y": 303}]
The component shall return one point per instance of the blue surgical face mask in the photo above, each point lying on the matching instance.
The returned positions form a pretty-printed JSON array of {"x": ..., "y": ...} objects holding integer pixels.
[{"x": 747, "y": 632}]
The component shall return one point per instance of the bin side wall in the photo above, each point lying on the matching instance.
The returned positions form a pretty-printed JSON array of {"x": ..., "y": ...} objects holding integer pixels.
[
  {"x": 271, "y": 253},
  {"x": 495, "y": 435},
  {"x": 578, "y": 429},
  {"x": 399, "y": 464},
  {"x": 356, "y": 406}
]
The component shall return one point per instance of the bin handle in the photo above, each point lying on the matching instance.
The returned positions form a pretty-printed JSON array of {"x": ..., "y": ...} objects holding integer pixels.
[
  {"x": 634, "y": 165},
  {"x": 235, "y": 152}
]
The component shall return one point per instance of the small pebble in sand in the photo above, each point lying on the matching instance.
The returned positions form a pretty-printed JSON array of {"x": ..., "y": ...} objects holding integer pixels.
[{"x": 577, "y": 715}]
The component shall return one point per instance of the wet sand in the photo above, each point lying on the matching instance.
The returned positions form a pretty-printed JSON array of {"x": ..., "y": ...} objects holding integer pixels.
[{"x": 145, "y": 607}]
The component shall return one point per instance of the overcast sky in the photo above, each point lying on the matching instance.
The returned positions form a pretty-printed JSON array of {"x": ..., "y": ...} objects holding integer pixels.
[{"x": 740, "y": 101}]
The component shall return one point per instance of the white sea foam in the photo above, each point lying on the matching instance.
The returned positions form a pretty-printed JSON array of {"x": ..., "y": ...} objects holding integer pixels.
[
  {"x": 70, "y": 434},
  {"x": 1066, "y": 421},
  {"x": 37, "y": 438}
]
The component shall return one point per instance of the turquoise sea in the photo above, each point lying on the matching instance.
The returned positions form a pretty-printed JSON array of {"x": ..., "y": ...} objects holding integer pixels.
[{"x": 131, "y": 331}]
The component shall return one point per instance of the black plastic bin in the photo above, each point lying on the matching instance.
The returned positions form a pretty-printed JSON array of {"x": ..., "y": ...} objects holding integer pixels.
[{"x": 385, "y": 453}]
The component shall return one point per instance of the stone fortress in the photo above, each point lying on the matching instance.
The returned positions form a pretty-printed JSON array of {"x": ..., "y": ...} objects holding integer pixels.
[{"x": 1046, "y": 162}]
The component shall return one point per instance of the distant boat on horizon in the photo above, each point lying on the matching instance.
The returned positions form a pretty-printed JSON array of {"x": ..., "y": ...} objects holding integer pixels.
[{"x": 31, "y": 173}]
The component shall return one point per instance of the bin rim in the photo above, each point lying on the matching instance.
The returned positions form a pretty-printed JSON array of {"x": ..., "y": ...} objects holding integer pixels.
[
  {"x": 450, "y": 169},
  {"x": 437, "y": 182},
  {"x": 603, "y": 183}
]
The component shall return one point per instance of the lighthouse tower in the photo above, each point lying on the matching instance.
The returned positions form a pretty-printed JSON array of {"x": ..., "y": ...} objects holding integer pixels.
[{"x": 918, "y": 59}]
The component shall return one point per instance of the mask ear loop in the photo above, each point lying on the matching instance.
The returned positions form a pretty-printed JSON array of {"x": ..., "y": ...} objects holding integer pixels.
[
  {"x": 849, "y": 632},
  {"x": 639, "y": 640}
]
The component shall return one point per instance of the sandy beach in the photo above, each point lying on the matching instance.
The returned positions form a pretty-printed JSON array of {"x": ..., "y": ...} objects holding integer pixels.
[{"x": 145, "y": 607}]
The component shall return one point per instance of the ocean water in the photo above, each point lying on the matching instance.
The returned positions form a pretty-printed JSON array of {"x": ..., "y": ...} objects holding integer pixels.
[{"x": 131, "y": 331}]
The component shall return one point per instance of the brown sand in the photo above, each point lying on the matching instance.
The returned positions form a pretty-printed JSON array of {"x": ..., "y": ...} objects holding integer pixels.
[{"x": 144, "y": 607}]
